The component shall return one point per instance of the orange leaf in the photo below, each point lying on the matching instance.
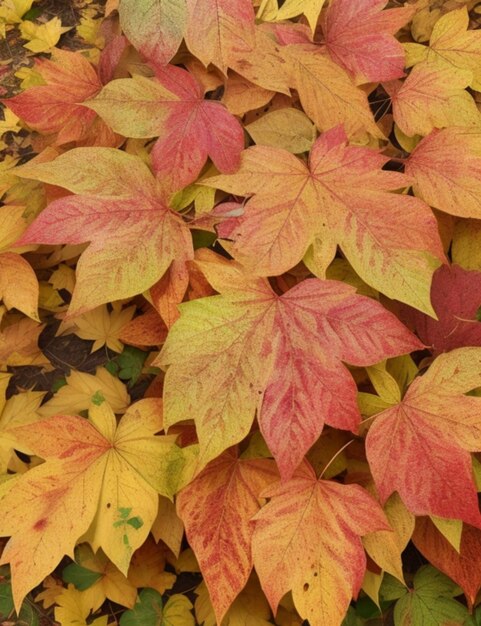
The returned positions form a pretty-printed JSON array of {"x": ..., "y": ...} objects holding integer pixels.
[
  {"x": 133, "y": 235},
  {"x": 463, "y": 567},
  {"x": 56, "y": 106},
  {"x": 420, "y": 447},
  {"x": 342, "y": 197},
  {"x": 446, "y": 168},
  {"x": 308, "y": 539},
  {"x": 249, "y": 349},
  {"x": 216, "y": 509},
  {"x": 360, "y": 38}
]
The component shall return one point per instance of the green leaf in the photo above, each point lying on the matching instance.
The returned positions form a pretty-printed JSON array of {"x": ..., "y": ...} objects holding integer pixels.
[
  {"x": 431, "y": 601},
  {"x": 6, "y": 600},
  {"x": 146, "y": 612},
  {"x": 81, "y": 577}
]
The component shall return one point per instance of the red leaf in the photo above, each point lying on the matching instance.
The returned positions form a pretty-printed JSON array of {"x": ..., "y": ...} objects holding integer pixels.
[{"x": 420, "y": 447}]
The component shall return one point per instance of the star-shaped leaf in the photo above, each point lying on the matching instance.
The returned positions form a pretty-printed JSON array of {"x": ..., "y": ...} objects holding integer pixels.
[
  {"x": 118, "y": 208},
  {"x": 342, "y": 197}
]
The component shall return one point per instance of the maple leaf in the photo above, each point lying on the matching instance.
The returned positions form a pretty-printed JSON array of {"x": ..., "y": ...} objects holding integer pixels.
[
  {"x": 104, "y": 327},
  {"x": 147, "y": 329},
  {"x": 19, "y": 343},
  {"x": 19, "y": 409},
  {"x": 327, "y": 93},
  {"x": 79, "y": 389},
  {"x": 147, "y": 568},
  {"x": 55, "y": 107},
  {"x": 42, "y": 37},
  {"x": 456, "y": 298},
  {"x": 420, "y": 447},
  {"x": 462, "y": 566},
  {"x": 216, "y": 509},
  {"x": 190, "y": 128},
  {"x": 73, "y": 609},
  {"x": 99, "y": 579},
  {"x": 151, "y": 610},
  {"x": 98, "y": 477},
  {"x": 359, "y": 36},
  {"x": 156, "y": 30},
  {"x": 342, "y": 197},
  {"x": 432, "y": 98},
  {"x": 307, "y": 539},
  {"x": 225, "y": 354},
  {"x": 14, "y": 269},
  {"x": 132, "y": 233},
  {"x": 290, "y": 8},
  {"x": 211, "y": 28},
  {"x": 443, "y": 179},
  {"x": 452, "y": 46},
  {"x": 168, "y": 526}
]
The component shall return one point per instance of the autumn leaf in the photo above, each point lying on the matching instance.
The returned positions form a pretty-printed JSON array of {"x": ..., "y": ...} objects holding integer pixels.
[
  {"x": 104, "y": 327},
  {"x": 56, "y": 106},
  {"x": 42, "y": 37},
  {"x": 147, "y": 568},
  {"x": 19, "y": 409},
  {"x": 308, "y": 539},
  {"x": 432, "y": 98},
  {"x": 216, "y": 27},
  {"x": 291, "y": 8},
  {"x": 19, "y": 343},
  {"x": 157, "y": 29},
  {"x": 79, "y": 389},
  {"x": 420, "y": 447},
  {"x": 99, "y": 579},
  {"x": 216, "y": 509},
  {"x": 456, "y": 298},
  {"x": 132, "y": 233},
  {"x": 443, "y": 179},
  {"x": 341, "y": 198},
  {"x": 359, "y": 36},
  {"x": 73, "y": 609},
  {"x": 452, "y": 46},
  {"x": 224, "y": 357},
  {"x": 106, "y": 478},
  {"x": 151, "y": 610},
  {"x": 212, "y": 28},
  {"x": 173, "y": 106},
  {"x": 462, "y": 566},
  {"x": 327, "y": 93}
]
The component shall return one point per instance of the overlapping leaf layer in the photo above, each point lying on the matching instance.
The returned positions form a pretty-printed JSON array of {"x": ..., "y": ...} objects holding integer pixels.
[{"x": 240, "y": 341}]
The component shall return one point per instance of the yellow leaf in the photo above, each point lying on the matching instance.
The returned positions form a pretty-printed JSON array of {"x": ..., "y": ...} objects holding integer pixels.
[
  {"x": 51, "y": 590},
  {"x": 29, "y": 77},
  {"x": 385, "y": 546},
  {"x": 63, "y": 278},
  {"x": 450, "y": 529},
  {"x": 104, "y": 327},
  {"x": 15, "y": 271},
  {"x": 372, "y": 584},
  {"x": 106, "y": 476},
  {"x": 176, "y": 611},
  {"x": 77, "y": 394},
  {"x": 147, "y": 568},
  {"x": 89, "y": 31},
  {"x": 73, "y": 609},
  {"x": 42, "y": 37},
  {"x": 112, "y": 585},
  {"x": 19, "y": 344},
  {"x": 466, "y": 247},
  {"x": 287, "y": 128},
  {"x": 20, "y": 409},
  {"x": 310, "y": 8},
  {"x": 10, "y": 123},
  {"x": 384, "y": 384},
  {"x": 168, "y": 526},
  {"x": 12, "y": 11},
  {"x": 452, "y": 47}
]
